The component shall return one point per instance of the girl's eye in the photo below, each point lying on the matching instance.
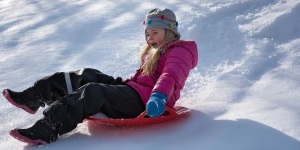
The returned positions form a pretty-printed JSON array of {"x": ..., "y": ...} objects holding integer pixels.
[{"x": 154, "y": 32}]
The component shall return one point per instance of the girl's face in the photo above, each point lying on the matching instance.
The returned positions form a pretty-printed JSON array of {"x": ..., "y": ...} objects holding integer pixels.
[{"x": 155, "y": 37}]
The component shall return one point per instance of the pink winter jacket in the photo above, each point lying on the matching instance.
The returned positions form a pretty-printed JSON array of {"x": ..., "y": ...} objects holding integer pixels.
[{"x": 171, "y": 72}]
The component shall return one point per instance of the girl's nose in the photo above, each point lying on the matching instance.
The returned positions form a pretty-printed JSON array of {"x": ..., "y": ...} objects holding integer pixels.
[{"x": 150, "y": 37}]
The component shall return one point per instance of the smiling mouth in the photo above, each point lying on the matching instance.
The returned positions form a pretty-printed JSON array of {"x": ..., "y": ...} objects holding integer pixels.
[{"x": 155, "y": 45}]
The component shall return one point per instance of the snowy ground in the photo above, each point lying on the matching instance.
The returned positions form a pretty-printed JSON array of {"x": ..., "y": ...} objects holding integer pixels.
[{"x": 244, "y": 92}]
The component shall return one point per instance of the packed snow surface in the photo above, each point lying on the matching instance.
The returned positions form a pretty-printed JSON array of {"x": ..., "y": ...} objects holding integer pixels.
[{"x": 244, "y": 92}]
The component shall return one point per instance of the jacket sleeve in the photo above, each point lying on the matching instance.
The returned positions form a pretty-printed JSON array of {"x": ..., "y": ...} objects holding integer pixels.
[{"x": 179, "y": 62}]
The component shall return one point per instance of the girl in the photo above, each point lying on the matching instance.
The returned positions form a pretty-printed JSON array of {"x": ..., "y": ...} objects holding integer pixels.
[{"x": 165, "y": 64}]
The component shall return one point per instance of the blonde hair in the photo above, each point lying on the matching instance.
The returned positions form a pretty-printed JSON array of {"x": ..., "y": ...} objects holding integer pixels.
[{"x": 150, "y": 56}]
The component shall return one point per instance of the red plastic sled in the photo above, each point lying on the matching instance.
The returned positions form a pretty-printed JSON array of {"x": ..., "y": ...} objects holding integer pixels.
[{"x": 170, "y": 114}]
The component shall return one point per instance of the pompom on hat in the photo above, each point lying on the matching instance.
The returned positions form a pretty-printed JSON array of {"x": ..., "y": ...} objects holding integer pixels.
[{"x": 161, "y": 18}]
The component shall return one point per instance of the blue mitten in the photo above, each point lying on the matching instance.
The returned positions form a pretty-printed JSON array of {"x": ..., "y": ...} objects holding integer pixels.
[{"x": 156, "y": 104}]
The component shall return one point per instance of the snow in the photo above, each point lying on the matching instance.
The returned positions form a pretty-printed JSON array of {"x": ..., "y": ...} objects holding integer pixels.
[{"x": 244, "y": 93}]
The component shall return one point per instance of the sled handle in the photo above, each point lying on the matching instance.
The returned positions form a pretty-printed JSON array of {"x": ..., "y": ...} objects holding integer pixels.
[{"x": 168, "y": 112}]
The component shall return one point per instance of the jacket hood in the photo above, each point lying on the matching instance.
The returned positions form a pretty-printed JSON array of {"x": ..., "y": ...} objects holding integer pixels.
[{"x": 190, "y": 46}]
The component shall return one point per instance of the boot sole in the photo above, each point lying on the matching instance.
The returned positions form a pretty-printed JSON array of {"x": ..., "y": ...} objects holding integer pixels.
[
  {"x": 20, "y": 137},
  {"x": 9, "y": 99}
]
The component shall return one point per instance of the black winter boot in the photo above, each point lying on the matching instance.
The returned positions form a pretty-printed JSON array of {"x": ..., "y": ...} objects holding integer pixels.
[
  {"x": 26, "y": 100},
  {"x": 42, "y": 132}
]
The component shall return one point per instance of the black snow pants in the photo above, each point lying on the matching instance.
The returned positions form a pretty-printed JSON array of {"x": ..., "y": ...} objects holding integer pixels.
[{"x": 93, "y": 92}]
